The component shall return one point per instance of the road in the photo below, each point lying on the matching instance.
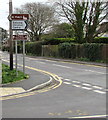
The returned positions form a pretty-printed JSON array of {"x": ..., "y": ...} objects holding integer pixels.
[{"x": 82, "y": 93}]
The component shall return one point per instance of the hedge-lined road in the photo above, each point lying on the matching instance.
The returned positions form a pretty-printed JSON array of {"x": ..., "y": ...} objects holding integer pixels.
[{"x": 82, "y": 93}]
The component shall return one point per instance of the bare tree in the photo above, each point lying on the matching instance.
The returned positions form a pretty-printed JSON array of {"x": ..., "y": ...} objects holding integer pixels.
[
  {"x": 41, "y": 18},
  {"x": 85, "y": 17}
]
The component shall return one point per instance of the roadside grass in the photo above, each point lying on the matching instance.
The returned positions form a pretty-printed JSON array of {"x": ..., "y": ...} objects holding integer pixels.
[{"x": 9, "y": 76}]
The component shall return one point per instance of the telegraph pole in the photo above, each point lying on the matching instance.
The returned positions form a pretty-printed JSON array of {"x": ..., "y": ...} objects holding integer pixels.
[{"x": 10, "y": 36}]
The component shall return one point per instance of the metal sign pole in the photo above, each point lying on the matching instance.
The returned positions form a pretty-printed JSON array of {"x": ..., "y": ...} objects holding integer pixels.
[
  {"x": 16, "y": 57},
  {"x": 24, "y": 56},
  {"x": 10, "y": 35}
]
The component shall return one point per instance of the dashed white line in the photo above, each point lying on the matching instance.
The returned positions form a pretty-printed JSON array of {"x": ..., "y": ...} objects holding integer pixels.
[
  {"x": 61, "y": 66},
  {"x": 41, "y": 62},
  {"x": 85, "y": 84},
  {"x": 76, "y": 82},
  {"x": 86, "y": 88},
  {"x": 37, "y": 61},
  {"x": 97, "y": 87},
  {"x": 95, "y": 71},
  {"x": 67, "y": 79},
  {"x": 106, "y": 90},
  {"x": 98, "y": 91},
  {"x": 76, "y": 85},
  {"x": 66, "y": 82}
]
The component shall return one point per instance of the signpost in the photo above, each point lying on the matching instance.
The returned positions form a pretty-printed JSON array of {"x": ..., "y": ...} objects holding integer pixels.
[
  {"x": 16, "y": 57},
  {"x": 19, "y": 37},
  {"x": 19, "y": 23},
  {"x": 19, "y": 17},
  {"x": 10, "y": 36}
]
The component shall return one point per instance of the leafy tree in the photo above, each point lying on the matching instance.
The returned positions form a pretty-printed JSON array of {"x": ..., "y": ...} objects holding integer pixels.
[
  {"x": 63, "y": 30},
  {"x": 85, "y": 17}
]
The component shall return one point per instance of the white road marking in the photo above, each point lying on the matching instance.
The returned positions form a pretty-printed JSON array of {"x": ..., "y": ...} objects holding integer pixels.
[
  {"x": 76, "y": 85},
  {"x": 98, "y": 91},
  {"x": 61, "y": 66},
  {"x": 106, "y": 90},
  {"x": 41, "y": 62},
  {"x": 50, "y": 61},
  {"x": 61, "y": 77},
  {"x": 76, "y": 82},
  {"x": 92, "y": 116},
  {"x": 66, "y": 83},
  {"x": 97, "y": 87},
  {"x": 85, "y": 84},
  {"x": 37, "y": 61},
  {"x": 95, "y": 71},
  {"x": 86, "y": 88},
  {"x": 67, "y": 79}
]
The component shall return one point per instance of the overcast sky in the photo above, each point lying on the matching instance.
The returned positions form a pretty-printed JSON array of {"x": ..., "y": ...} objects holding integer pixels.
[{"x": 4, "y": 10}]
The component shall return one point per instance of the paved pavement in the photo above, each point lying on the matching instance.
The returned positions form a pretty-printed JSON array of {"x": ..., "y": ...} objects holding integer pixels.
[
  {"x": 81, "y": 91},
  {"x": 36, "y": 80}
]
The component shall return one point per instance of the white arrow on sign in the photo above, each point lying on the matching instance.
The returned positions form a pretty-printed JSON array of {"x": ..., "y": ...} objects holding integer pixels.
[{"x": 19, "y": 25}]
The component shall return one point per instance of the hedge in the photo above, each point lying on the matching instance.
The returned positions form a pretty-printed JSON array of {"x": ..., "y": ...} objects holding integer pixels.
[
  {"x": 34, "y": 48},
  {"x": 56, "y": 41},
  {"x": 101, "y": 40},
  {"x": 67, "y": 50},
  {"x": 90, "y": 51}
]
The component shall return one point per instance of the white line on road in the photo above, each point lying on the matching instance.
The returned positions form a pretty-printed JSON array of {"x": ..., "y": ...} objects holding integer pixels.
[
  {"x": 95, "y": 71},
  {"x": 37, "y": 61},
  {"x": 76, "y": 82},
  {"x": 61, "y": 66},
  {"x": 92, "y": 116},
  {"x": 66, "y": 83},
  {"x": 85, "y": 84},
  {"x": 86, "y": 88},
  {"x": 41, "y": 62},
  {"x": 98, "y": 91},
  {"x": 50, "y": 61},
  {"x": 67, "y": 79},
  {"x": 97, "y": 87},
  {"x": 76, "y": 85}
]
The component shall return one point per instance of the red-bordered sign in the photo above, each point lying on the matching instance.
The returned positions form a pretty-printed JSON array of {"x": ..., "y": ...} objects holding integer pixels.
[
  {"x": 19, "y": 16},
  {"x": 19, "y": 37}
]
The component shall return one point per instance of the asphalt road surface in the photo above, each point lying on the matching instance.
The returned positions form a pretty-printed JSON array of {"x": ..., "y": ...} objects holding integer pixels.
[{"x": 82, "y": 93}]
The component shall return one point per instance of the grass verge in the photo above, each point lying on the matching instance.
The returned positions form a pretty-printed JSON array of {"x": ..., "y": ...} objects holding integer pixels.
[{"x": 9, "y": 76}]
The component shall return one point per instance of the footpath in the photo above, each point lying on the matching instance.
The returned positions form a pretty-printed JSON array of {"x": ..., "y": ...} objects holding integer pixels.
[{"x": 36, "y": 80}]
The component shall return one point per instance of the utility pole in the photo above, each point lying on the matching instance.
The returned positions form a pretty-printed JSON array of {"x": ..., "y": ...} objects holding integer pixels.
[{"x": 10, "y": 35}]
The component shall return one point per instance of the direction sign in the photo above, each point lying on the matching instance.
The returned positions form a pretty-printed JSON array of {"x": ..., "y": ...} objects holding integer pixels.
[
  {"x": 19, "y": 37},
  {"x": 19, "y": 16},
  {"x": 19, "y": 25}
]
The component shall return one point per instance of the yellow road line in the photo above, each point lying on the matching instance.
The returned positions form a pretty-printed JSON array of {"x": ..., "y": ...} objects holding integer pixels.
[{"x": 37, "y": 91}]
